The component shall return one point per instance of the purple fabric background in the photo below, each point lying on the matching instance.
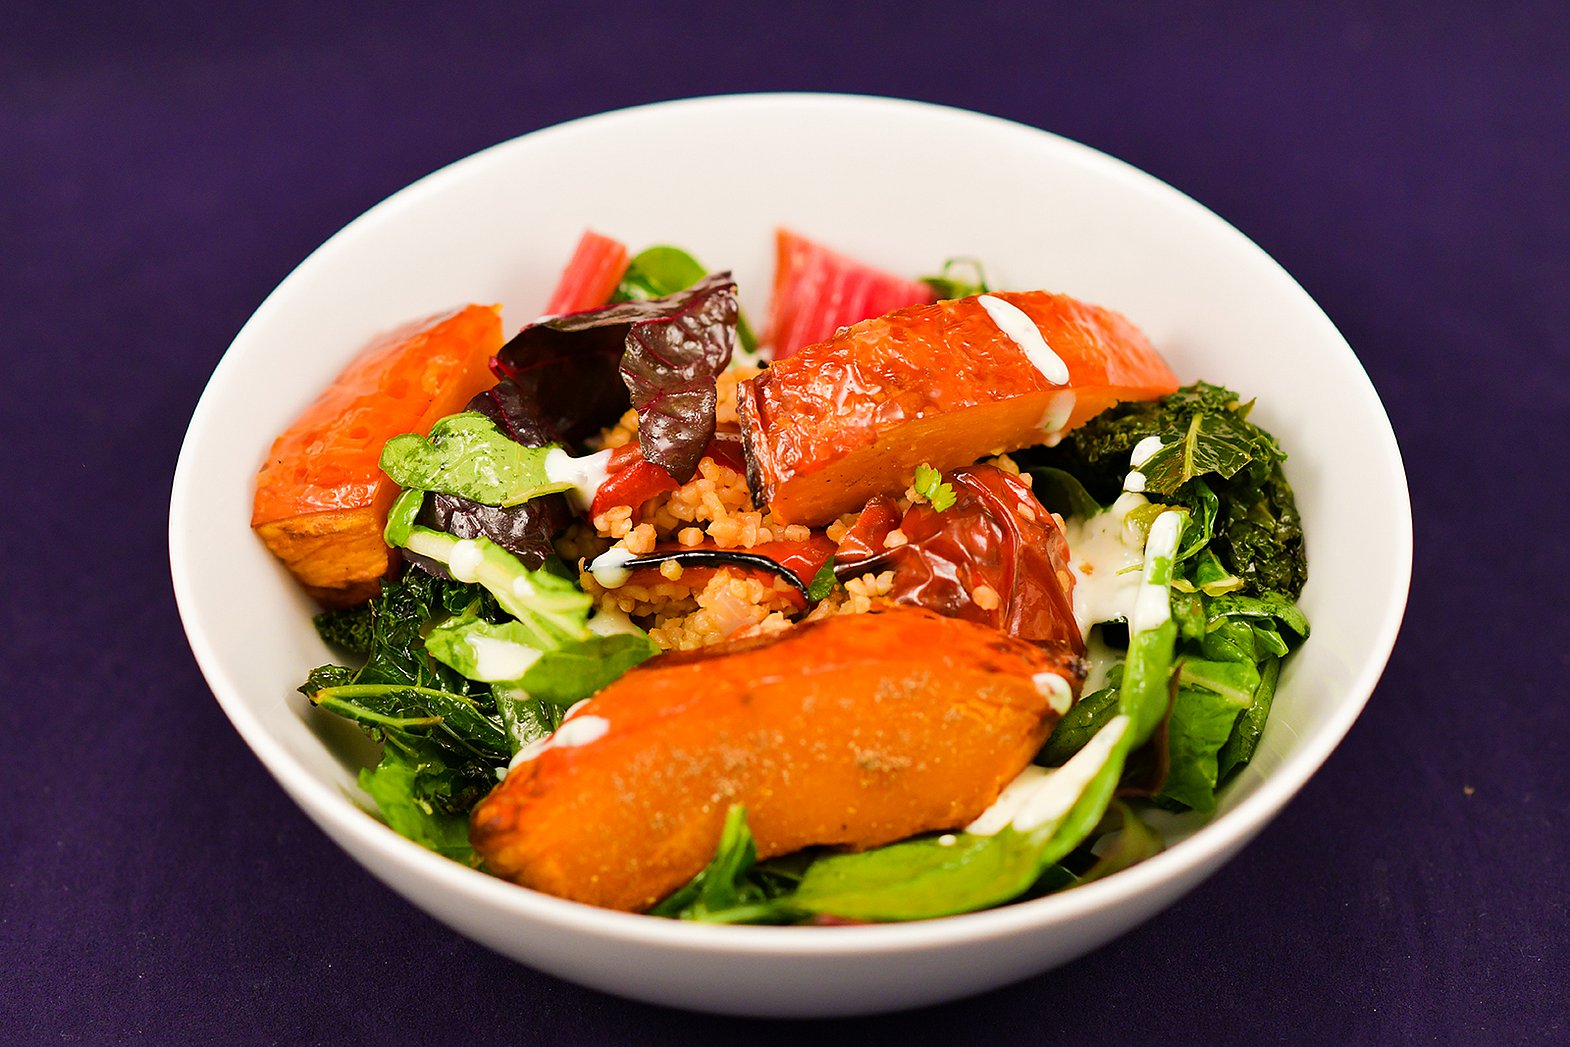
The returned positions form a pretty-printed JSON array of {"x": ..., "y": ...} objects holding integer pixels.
[{"x": 162, "y": 167}]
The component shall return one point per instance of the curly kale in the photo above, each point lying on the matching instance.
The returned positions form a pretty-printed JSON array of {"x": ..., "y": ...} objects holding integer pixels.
[{"x": 1213, "y": 461}]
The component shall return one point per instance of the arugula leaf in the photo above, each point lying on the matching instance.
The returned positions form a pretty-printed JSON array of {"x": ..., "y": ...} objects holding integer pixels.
[
  {"x": 929, "y": 484},
  {"x": 466, "y": 454}
]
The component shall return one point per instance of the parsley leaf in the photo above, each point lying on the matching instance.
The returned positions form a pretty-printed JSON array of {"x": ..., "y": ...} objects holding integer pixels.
[{"x": 929, "y": 484}]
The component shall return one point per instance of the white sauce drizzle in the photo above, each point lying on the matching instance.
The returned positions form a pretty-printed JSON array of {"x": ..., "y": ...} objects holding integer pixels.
[
  {"x": 1056, "y": 416},
  {"x": 1053, "y": 798},
  {"x": 1144, "y": 451},
  {"x": 1055, "y": 690},
  {"x": 585, "y": 474},
  {"x": 610, "y": 568},
  {"x": 497, "y": 661},
  {"x": 463, "y": 563},
  {"x": 611, "y": 621},
  {"x": 530, "y": 751},
  {"x": 1105, "y": 556},
  {"x": 573, "y": 732},
  {"x": 1153, "y": 605},
  {"x": 1011, "y": 799},
  {"x": 1013, "y": 321},
  {"x": 1039, "y": 796},
  {"x": 581, "y": 731}
]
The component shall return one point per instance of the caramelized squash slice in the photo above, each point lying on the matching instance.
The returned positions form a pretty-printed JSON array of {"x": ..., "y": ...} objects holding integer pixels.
[
  {"x": 851, "y": 417},
  {"x": 321, "y": 499},
  {"x": 853, "y": 731}
]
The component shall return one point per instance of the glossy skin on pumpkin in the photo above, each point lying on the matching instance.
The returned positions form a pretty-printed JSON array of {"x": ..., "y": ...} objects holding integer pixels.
[
  {"x": 851, "y": 417},
  {"x": 853, "y": 731},
  {"x": 321, "y": 497}
]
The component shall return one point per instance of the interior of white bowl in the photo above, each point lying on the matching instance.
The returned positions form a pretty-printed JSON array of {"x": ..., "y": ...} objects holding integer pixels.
[{"x": 901, "y": 185}]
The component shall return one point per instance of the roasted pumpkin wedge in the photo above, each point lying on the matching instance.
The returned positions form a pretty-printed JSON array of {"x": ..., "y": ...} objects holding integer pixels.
[
  {"x": 849, "y": 418},
  {"x": 321, "y": 499},
  {"x": 853, "y": 731}
]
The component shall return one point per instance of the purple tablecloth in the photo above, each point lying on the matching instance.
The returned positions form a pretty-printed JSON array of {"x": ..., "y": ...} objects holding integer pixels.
[{"x": 162, "y": 169}]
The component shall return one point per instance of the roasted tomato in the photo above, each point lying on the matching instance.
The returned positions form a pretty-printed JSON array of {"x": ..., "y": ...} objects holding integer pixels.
[{"x": 996, "y": 556}]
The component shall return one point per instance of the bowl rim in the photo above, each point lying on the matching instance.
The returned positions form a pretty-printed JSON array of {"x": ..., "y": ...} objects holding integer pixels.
[{"x": 338, "y": 815}]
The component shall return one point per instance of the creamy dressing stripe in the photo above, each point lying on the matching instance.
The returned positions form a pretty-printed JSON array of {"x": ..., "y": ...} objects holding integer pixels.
[{"x": 1022, "y": 330}]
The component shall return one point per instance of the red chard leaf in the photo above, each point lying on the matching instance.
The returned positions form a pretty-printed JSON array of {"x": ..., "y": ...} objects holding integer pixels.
[
  {"x": 668, "y": 352},
  {"x": 670, "y": 366}
]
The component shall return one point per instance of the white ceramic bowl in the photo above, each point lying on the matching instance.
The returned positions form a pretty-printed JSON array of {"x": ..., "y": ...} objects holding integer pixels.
[{"x": 899, "y": 184}]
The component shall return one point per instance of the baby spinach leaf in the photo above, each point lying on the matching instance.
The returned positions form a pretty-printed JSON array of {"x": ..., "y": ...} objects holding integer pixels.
[
  {"x": 578, "y": 670},
  {"x": 923, "y": 878},
  {"x": 725, "y": 890},
  {"x": 656, "y": 272},
  {"x": 1244, "y": 739},
  {"x": 1061, "y": 491},
  {"x": 1087, "y": 716},
  {"x": 467, "y": 454},
  {"x": 1200, "y": 724},
  {"x": 942, "y": 875},
  {"x": 1132, "y": 842},
  {"x": 525, "y": 530}
]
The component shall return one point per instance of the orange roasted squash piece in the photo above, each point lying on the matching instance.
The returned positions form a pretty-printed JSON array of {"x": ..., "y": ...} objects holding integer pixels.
[
  {"x": 854, "y": 731},
  {"x": 851, "y": 417},
  {"x": 321, "y": 499}
]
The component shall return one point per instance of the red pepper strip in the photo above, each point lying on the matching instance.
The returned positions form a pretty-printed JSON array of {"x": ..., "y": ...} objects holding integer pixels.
[
  {"x": 633, "y": 481},
  {"x": 803, "y": 559},
  {"x": 631, "y": 485},
  {"x": 866, "y": 535},
  {"x": 591, "y": 275}
]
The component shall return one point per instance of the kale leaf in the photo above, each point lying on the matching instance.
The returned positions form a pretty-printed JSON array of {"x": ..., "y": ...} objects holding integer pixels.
[{"x": 1213, "y": 461}]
